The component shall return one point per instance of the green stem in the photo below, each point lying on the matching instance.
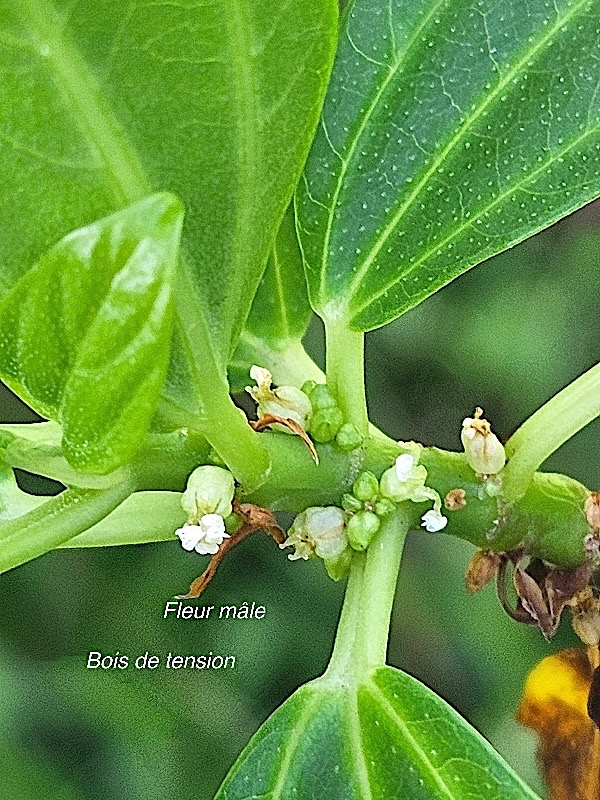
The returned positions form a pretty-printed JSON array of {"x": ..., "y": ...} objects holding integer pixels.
[
  {"x": 551, "y": 426},
  {"x": 361, "y": 641},
  {"x": 346, "y": 372},
  {"x": 56, "y": 521},
  {"x": 223, "y": 424}
]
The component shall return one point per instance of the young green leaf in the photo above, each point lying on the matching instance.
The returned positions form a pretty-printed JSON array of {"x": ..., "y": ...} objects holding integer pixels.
[
  {"x": 85, "y": 335},
  {"x": 388, "y": 737},
  {"x": 280, "y": 311},
  {"x": 106, "y": 102},
  {"x": 450, "y": 132}
]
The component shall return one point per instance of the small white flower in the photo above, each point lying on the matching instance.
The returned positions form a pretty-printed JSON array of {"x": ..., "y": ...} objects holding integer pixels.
[
  {"x": 485, "y": 453},
  {"x": 433, "y": 521},
  {"x": 318, "y": 530},
  {"x": 209, "y": 490},
  {"x": 286, "y": 402},
  {"x": 404, "y": 467},
  {"x": 206, "y": 537}
]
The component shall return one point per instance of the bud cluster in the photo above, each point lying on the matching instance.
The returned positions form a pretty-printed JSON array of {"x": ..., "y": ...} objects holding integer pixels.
[
  {"x": 365, "y": 507},
  {"x": 326, "y": 423}
]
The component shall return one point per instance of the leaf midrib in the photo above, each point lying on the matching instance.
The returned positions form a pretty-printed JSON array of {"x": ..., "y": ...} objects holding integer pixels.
[
  {"x": 96, "y": 120},
  {"x": 382, "y": 701},
  {"x": 398, "y": 62},
  {"x": 463, "y": 130}
]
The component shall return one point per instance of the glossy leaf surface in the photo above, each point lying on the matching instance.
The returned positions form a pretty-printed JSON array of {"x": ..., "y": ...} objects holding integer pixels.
[
  {"x": 85, "y": 335},
  {"x": 390, "y": 737},
  {"x": 451, "y": 131},
  {"x": 107, "y": 102}
]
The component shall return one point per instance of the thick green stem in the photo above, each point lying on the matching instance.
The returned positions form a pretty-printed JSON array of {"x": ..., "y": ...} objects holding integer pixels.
[
  {"x": 361, "y": 641},
  {"x": 57, "y": 520},
  {"x": 551, "y": 426},
  {"x": 219, "y": 420},
  {"x": 346, "y": 372}
]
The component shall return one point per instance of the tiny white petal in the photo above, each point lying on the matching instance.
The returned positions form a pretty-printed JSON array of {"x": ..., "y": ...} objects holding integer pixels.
[
  {"x": 189, "y": 536},
  {"x": 467, "y": 422},
  {"x": 404, "y": 466},
  {"x": 433, "y": 521},
  {"x": 260, "y": 375}
]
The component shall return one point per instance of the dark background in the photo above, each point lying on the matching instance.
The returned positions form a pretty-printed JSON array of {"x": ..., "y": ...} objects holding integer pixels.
[{"x": 506, "y": 336}]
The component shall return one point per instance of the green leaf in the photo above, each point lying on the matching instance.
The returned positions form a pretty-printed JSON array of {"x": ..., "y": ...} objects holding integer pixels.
[
  {"x": 143, "y": 517},
  {"x": 450, "y": 133},
  {"x": 85, "y": 335},
  {"x": 388, "y": 737},
  {"x": 107, "y": 102},
  {"x": 280, "y": 311}
]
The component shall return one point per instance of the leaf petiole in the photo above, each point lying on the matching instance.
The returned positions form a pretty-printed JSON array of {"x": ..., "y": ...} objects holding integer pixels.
[{"x": 346, "y": 371}]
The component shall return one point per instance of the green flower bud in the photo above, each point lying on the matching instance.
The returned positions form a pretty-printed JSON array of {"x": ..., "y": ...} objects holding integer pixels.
[
  {"x": 322, "y": 397},
  {"x": 361, "y": 529},
  {"x": 348, "y": 437},
  {"x": 350, "y": 503},
  {"x": 383, "y": 507},
  {"x": 366, "y": 486},
  {"x": 484, "y": 451},
  {"x": 325, "y": 423},
  {"x": 337, "y": 568},
  {"x": 209, "y": 490},
  {"x": 402, "y": 488},
  {"x": 307, "y": 387}
]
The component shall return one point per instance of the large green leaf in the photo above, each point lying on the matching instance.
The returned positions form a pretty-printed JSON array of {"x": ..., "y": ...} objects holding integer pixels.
[
  {"x": 85, "y": 335},
  {"x": 106, "y": 102},
  {"x": 451, "y": 131},
  {"x": 389, "y": 737},
  {"x": 280, "y": 311}
]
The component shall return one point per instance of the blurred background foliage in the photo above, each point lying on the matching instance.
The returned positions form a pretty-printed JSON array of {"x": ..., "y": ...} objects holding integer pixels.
[{"x": 506, "y": 336}]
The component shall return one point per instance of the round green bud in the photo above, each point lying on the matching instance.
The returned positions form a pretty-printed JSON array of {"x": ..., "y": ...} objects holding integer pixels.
[
  {"x": 209, "y": 490},
  {"x": 383, "y": 507},
  {"x": 361, "y": 528},
  {"x": 325, "y": 423},
  {"x": 337, "y": 568},
  {"x": 322, "y": 397},
  {"x": 348, "y": 437},
  {"x": 350, "y": 503},
  {"x": 307, "y": 387},
  {"x": 366, "y": 486}
]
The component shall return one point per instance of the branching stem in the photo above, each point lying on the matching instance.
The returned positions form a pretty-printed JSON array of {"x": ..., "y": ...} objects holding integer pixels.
[
  {"x": 361, "y": 641},
  {"x": 551, "y": 426}
]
